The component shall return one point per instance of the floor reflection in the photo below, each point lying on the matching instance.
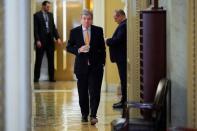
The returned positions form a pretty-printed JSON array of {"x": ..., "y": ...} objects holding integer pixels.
[{"x": 55, "y": 108}]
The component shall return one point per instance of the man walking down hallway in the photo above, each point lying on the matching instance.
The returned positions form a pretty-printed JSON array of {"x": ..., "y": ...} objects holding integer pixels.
[{"x": 87, "y": 43}]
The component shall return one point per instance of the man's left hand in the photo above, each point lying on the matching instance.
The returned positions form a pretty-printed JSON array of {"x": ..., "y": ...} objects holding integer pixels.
[
  {"x": 59, "y": 42},
  {"x": 107, "y": 41}
]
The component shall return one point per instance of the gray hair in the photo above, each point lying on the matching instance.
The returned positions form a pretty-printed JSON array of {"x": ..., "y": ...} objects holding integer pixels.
[
  {"x": 120, "y": 12},
  {"x": 86, "y": 12}
]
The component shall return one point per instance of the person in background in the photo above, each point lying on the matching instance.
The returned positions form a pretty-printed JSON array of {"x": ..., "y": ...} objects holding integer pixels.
[
  {"x": 44, "y": 34},
  {"x": 118, "y": 52},
  {"x": 87, "y": 43}
]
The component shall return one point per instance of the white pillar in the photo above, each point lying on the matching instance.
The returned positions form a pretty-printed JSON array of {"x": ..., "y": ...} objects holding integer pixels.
[
  {"x": 99, "y": 12},
  {"x": 17, "y": 65},
  {"x": 99, "y": 20}
]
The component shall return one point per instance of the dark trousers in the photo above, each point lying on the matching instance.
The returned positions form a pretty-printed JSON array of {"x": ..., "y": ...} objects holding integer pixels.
[
  {"x": 49, "y": 49},
  {"x": 122, "y": 70},
  {"x": 89, "y": 90}
]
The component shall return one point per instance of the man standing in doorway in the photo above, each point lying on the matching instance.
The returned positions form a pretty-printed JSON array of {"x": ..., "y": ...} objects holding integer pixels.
[
  {"x": 118, "y": 52},
  {"x": 44, "y": 34},
  {"x": 86, "y": 42}
]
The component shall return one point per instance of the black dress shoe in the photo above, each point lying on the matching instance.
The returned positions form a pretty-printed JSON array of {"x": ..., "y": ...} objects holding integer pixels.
[
  {"x": 93, "y": 120},
  {"x": 84, "y": 119},
  {"x": 118, "y": 105}
]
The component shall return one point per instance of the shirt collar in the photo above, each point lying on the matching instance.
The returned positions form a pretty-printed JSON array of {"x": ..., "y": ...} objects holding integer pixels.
[
  {"x": 44, "y": 12},
  {"x": 84, "y": 29}
]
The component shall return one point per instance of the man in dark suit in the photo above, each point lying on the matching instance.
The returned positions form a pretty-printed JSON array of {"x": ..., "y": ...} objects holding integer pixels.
[
  {"x": 44, "y": 34},
  {"x": 87, "y": 43},
  {"x": 118, "y": 52}
]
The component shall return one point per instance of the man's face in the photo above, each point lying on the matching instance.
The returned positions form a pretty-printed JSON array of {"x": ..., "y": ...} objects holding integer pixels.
[
  {"x": 117, "y": 18},
  {"x": 46, "y": 7},
  {"x": 86, "y": 21}
]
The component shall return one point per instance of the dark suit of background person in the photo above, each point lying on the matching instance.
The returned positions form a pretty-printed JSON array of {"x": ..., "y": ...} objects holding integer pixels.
[
  {"x": 118, "y": 53},
  {"x": 88, "y": 67},
  {"x": 44, "y": 35}
]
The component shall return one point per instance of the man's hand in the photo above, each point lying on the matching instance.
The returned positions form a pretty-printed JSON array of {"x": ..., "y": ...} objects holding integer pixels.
[
  {"x": 59, "y": 42},
  {"x": 38, "y": 44},
  {"x": 84, "y": 49},
  {"x": 107, "y": 41}
]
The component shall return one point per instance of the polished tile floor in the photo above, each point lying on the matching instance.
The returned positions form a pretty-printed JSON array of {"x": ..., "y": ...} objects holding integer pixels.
[{"x": 55, "y": 108}]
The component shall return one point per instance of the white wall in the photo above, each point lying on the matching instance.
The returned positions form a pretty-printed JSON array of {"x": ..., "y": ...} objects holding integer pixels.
[{"x": 177, "y": 57}]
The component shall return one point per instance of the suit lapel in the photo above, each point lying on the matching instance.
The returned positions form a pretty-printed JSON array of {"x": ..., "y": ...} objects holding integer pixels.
[
  {"x": 50, "y": 19},
  {"x": 81, "y": 35},
  {"x": 92, "y": 35},
  {"x": 42, "y": 18}
]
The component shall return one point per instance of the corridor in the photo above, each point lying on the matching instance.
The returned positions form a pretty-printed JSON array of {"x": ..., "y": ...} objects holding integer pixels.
[{"x": 55, "y": 108}]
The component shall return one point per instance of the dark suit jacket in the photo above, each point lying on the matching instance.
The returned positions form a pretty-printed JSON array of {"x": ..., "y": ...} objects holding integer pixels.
[
  {"x": 117, "y": 44},
  {"x": 95, "y": 56},
  {"x": 40, "y": 30}
]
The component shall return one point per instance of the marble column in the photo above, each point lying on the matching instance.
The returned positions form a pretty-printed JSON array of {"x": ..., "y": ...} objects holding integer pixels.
[
  {"x": 2, "y": 76},
  {"x": 177, "y": 57},
  {"x": 17, "y": 65},
  {"x": 132, "y": 58},
  {"x": 133, "y": 49},
  {"x": 192, "y": 64}
]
